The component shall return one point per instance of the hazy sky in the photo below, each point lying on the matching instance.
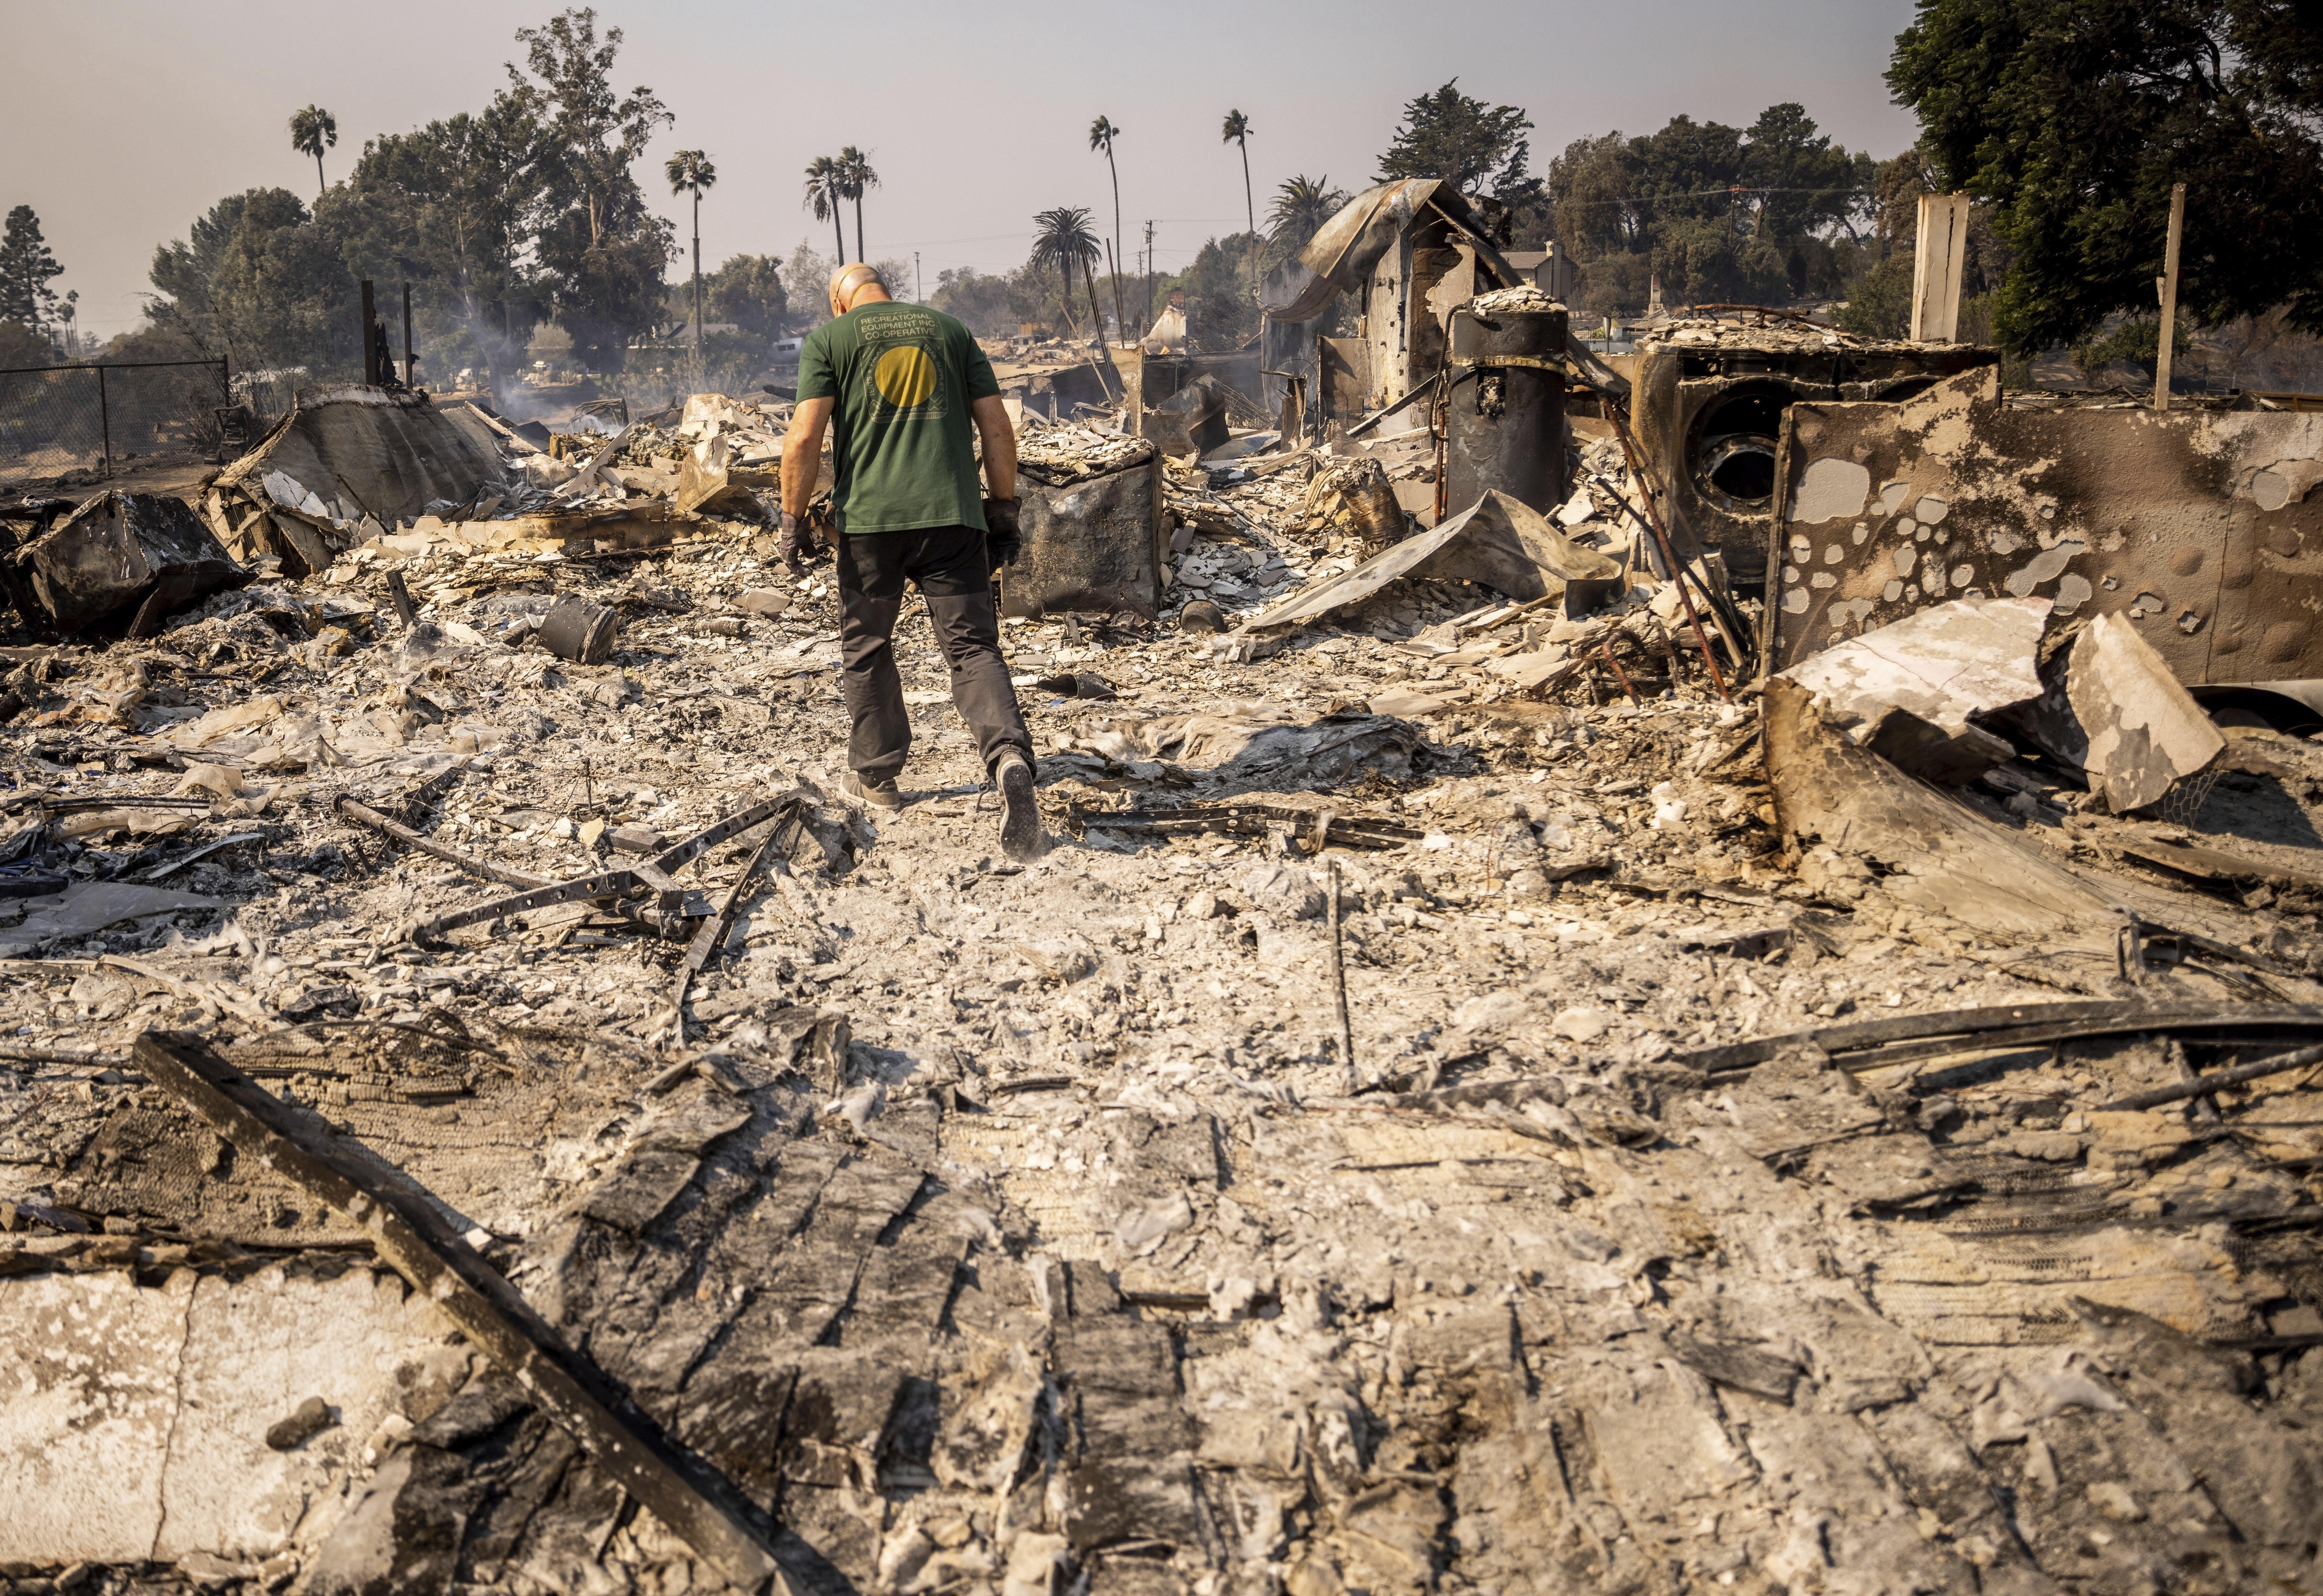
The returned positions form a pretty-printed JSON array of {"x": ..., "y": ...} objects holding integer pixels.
[{"x": 127, "y": 119}]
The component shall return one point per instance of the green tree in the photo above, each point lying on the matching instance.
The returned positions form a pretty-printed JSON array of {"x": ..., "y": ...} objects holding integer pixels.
[
  {"x": 1300, "y": 207},
  {"x": 806, "y": 280},
  {"x": 1476, "y": 148},
  {"x": 600, "y": 250},
  {"x": 825, "y": 187},
  {"x": 1719, "y": 213},
  {"x": 1237, "y": 131},
  {"x": 749, "y": 290},
  {"x": 689, "y": 171},
  {"x": 1220, "y": 312},
  {"x": 855, "y": 174},
  {"x": 1102, "y": 133},
  {"x": 1799, "y": 182},
  {"x": 2137, "y": 341},
  {"x": 311, "y": 130},
  {"x": 447, "y": 207},
  {"x": 26, "y": 267},
  {"x": 257, "y": 280},
  {"x": 1063, "y": 242},
  {"x": 22, "y": 345},
  {"x": 2074, "y": 117}
]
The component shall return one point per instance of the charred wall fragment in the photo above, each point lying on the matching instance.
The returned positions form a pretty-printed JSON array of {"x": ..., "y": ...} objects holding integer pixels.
[{"x": 2194, "y": 526}]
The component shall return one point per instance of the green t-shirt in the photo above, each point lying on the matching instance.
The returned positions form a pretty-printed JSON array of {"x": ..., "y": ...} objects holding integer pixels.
[{"x": 904, "y": 376}]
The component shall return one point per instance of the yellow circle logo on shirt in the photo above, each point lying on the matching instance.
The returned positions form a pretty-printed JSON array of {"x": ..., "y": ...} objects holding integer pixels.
[{"x": 905, "y": 377}]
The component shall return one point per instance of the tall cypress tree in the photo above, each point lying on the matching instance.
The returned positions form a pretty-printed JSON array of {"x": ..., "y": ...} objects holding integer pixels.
[{"x": 26, "y": 267}]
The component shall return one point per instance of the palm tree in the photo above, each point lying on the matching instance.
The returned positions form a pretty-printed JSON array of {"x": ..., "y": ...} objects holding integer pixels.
[
  {"x": 822, "y": 196},
  {"x": 855, "y": 176},
  {"x": 1063, "y": 240},
  {"x": 310, "y": 131},
  {"x": 689, "y": 171},
  {"x": 1300, "y": 207},
  {"x": 1102, "y": 133},
  {"x": 1237, "y": 131}
]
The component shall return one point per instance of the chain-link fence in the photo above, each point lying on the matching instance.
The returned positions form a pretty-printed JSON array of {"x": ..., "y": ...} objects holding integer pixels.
[{"x": 58, "y": 419}]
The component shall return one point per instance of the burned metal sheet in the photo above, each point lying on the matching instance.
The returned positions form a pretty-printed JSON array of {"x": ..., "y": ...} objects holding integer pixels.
[
  {"x": 119, "y": 552},
  {"x": 1092, "y": 543},
  {"x": 384, "y": 456},
  {"x": 2184, "y": 523},
  {"x": 1499, "y": 541}
]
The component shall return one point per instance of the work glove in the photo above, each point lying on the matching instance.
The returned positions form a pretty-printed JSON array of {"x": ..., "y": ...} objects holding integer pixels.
[
  {"x": 1002, "y": 539},
  {"x": 796, "y": 544}
]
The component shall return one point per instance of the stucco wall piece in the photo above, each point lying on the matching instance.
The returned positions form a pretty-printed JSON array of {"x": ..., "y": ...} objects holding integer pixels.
[
  {"x": 2145, "y": 731},
  {"x": 1831, "y": 490},
  {"x": 132, "y": 1418},
  {"x": 2150, "y": 517},
  {"x": 255, "y": 1350},
  {"x": 88, "y": 1394},
  {"x": 1940, "y": 665}
]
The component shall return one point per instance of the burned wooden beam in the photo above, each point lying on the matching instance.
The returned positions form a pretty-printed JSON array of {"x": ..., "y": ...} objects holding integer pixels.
[
  {"x": 1905, "y": 1039},
  {"x": 695, "y": 1501}
]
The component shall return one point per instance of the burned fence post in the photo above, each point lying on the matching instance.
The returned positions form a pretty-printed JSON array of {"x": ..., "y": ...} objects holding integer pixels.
[
  {"x": 695, "y": 1501},
  {"x": 105, "y": 417},
  {"x": 2168, "y": 297},
  {"x": 409, "y": 365},
  {"x": 370, "y": 349}
]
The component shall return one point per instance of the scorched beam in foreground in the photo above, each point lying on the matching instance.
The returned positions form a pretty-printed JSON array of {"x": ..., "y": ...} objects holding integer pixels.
[{"x": 686, "y": 1494}]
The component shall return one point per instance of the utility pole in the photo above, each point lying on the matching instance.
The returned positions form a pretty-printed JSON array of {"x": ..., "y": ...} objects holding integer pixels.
[
  {"x": 917, "y": 293},
  {"x": 410, "y": 366},
  {"x": 2169, "y": 286},
  {"x": 1149, "y": 277},
  {"x": 697, "y": 281}
]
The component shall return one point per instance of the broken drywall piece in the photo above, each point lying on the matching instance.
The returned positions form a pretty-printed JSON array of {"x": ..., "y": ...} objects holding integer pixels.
[
  {"x": 1938, "y": 856},
  {"x": 1906, "y": 690},
  {"x": 2145, "y": 732}
]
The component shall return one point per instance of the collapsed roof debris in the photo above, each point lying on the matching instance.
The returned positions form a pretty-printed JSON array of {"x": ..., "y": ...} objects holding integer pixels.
[{"x": 1520, "y": 1064}]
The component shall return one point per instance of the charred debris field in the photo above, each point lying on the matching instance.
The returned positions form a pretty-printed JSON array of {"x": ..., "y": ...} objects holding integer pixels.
[{"x": 477, "y": 1111}]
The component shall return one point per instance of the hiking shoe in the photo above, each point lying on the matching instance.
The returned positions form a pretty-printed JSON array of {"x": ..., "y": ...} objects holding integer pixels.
[
  {"x": 880, "y": 793},
  {"x": 1020, "y": 817}
]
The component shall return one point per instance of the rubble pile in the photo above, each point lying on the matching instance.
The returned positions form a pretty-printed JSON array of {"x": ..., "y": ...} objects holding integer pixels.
[{"x": 1466, "y": 1099}]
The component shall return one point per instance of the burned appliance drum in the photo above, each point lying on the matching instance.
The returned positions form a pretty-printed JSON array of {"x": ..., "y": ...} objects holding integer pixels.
[
  {"x": 1504, "y": 416},
  {"x": 575, "y": 629},
  {"x": 1708, "y": 418}
]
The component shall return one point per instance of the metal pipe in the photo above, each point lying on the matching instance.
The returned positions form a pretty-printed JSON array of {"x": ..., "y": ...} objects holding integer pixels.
[
  {"x": 2201, "y": 1086},
  {"x": 1678, "y": 573},
  {"x": 377, "y": 822}
]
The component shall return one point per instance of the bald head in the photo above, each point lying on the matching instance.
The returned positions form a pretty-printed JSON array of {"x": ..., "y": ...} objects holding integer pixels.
[{"x": 854, "y": 284}]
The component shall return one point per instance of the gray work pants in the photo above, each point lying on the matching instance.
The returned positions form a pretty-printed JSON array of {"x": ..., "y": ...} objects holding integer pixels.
[{"x": 949, "y": 567}]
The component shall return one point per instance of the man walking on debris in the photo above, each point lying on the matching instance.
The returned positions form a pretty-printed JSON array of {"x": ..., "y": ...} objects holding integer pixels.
[{"x": 901, "y": 383}]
